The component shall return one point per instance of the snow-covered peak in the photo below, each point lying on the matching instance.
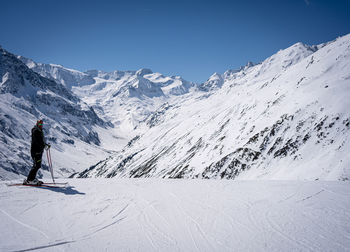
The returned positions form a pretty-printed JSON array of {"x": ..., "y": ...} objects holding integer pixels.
[
  {"x": 215, "y": 81},
  {"x": 170, "y": 85},
  {"x": 140, "y": 87},
  {"x": 29, "y": 62},
  {"x": 65, "y": 76},
  {"x": 215, "y": 76},
  {"x": 233, "y": 73},
  {"x": 286, "y": 58},
  {"x": 249, "y": 64},
  {"x": 296, "y": 52},
  {"x": 143, "y": 71}
]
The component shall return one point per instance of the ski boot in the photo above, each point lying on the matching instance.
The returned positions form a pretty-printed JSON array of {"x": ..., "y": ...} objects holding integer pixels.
[{"x": 33, "y": 182}]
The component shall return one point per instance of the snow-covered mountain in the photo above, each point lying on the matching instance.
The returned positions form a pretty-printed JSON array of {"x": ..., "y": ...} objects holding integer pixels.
[
  {"x": 125, "y": 98},
  {"x": 71, "y": 126},
  {"x": 285, "y": 118}
]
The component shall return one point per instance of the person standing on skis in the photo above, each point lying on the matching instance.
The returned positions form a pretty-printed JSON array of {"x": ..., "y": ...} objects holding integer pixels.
[{"x": 37, "y": 148}]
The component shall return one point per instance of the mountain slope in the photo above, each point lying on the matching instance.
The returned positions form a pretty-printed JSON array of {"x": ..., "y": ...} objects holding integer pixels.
[
  {"x": 285, "y": 118},
  {"x": 70, "y": 125}
]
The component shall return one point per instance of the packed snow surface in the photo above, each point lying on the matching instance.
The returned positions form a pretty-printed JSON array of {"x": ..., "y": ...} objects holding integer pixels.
[{"x": 177, "y": 215}]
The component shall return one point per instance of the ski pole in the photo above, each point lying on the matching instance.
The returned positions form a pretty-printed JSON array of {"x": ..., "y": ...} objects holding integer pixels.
[
  {"x": 53, "y": 179},
  {"x": 48, "y": 160},
  {"x": 48, "y": 154}
]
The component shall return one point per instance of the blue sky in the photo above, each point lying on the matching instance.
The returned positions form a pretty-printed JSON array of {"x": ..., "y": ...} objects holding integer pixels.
[{"x": 192, "y": 39}]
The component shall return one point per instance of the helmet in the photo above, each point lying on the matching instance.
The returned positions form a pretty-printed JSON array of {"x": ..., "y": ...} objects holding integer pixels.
[{"x": 39, "y": 123}]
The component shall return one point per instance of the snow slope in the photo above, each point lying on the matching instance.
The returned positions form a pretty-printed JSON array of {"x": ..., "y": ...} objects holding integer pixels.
[
  {"x": 72, "y": 127},
  {"x": 176, "y": 215},
  {"x": 285, "y": 118}
]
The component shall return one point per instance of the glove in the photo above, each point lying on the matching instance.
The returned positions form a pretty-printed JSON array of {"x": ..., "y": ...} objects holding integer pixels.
[{"x": 47, "y": 146}]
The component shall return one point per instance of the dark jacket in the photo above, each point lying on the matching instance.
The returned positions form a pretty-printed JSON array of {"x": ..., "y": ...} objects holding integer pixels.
[{"x": 38, "y": 143}]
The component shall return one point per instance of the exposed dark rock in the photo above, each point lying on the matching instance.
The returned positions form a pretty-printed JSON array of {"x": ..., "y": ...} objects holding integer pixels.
[
  {"x": 121, "y": 166},
  {"x": 157, "y": 117},
  {"x": 132, "y": 141},
  {"x": 231, "y": 165},
  {"x": 291, "y": 146}
]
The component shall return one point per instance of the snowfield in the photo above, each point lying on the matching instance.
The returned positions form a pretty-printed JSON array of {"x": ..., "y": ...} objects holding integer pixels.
[{"x": 177, "y": 215}]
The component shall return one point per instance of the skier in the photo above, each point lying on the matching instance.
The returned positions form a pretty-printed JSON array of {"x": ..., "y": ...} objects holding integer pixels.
[{"x": 36, "y": 151}]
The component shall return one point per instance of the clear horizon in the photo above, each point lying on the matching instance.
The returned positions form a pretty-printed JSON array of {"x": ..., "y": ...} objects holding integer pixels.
[{"x": 192, "y": 39}]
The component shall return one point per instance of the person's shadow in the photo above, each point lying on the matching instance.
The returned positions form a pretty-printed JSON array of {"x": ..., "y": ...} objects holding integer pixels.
[{"x": 68, "y": 190}]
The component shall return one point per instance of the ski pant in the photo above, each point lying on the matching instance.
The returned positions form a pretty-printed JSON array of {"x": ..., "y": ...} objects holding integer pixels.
[{"x": 36, "y": 156}]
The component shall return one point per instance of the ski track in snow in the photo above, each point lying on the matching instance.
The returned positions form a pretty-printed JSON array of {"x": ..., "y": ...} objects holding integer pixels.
[
  {"x": 309, "y": 197},
  {"x": 198, "y": 227},
  {"x": 177, "y": 215},
  {"x": 45, "y": 246},
  {"x": 23, "y": 224}
]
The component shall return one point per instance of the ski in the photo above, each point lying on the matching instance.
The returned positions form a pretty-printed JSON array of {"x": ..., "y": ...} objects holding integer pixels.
[
  {"x": 63, "y": 183},
  {"x": 45, "y": 185}
]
